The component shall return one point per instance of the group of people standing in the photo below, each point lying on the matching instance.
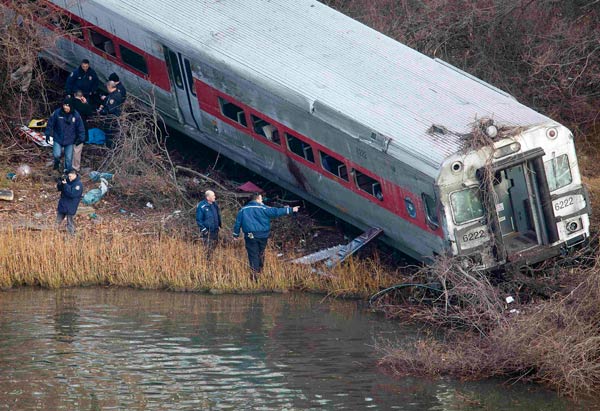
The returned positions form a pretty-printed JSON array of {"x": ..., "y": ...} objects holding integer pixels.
[
  {"x": 68, "y": 125},
  {"x": 254, "y": 220},
  {"x": 68, "y": 128}
]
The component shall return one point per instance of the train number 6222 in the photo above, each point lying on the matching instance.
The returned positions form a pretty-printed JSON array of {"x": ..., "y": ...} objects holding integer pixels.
[
  {"x": 473, "y": 235},
  {"x": 559, "y": 205}
]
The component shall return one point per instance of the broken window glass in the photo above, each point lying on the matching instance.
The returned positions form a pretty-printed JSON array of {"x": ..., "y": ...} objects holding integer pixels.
[
  {"x": 558, "y": 172},
  {"x": 466, "y": 205}
]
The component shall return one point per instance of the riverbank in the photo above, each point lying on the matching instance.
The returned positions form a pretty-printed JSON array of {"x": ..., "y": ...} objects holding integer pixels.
[
  {"x": 51, "y": 259},
  {"x": 120, "y": 244}
]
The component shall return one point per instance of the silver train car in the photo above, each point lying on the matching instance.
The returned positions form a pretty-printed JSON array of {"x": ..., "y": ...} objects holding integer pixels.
[{"x": 355, "y": 122}]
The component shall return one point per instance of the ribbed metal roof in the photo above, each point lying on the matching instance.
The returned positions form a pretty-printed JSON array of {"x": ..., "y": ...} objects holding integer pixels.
[{"x": 328, "y": 57}]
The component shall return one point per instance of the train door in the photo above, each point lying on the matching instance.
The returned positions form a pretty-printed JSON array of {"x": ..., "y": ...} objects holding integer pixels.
[
  {"x": 182, "y": 80},
  {"x": 517, "y": 208}
]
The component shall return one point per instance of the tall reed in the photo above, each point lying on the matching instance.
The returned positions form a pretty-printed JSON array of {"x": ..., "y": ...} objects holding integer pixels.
[{"x": 53, "y": 259}]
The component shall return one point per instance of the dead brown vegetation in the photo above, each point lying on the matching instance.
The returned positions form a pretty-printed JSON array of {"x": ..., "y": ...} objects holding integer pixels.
[
  {"x": 152, "y": 260},
  {"x": 548, "y": 335},
  {"x": 545, "y": 53}
]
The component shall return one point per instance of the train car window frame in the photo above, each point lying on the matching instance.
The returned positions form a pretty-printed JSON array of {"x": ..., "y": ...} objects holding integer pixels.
[
  {"x": 105, "y": 41},
  {"x": 431, "y": 211},
  {"x": 187, "y": 65},
  {"x": 42, "y": 11},
  {"x": 175, "y": 69},
  {"x": 471, "y": 202},
  {"x": 299, "y": 147},
  {"x": 338, "y": 168},
  {"x": 233, "y": 112},
  {"x": 68, "y": 25},
  {"x": 133, "y": 59},
  {"x": 410, "y": 207},
  {"x": 558, "y": 172},
  {"x": 368, "y": 184},
  {"x": 265, "y": 129}
]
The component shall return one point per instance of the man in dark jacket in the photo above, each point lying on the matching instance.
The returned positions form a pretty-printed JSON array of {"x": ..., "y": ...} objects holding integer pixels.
[
  {"x": 255, "y": 220},
  {"x": 71, "y": 191},
  {"x": 65, "y": 127},
  {"x": 83, "y": 78},
  {"x": 80, "y": 104},
  {"x": 208, "y": 218},
  {"x": 120, "y": 87},
  {"x": 111, "y": 110}
]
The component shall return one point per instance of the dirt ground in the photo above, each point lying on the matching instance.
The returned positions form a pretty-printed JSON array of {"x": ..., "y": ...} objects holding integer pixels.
[{"x": 36, "y": 199}]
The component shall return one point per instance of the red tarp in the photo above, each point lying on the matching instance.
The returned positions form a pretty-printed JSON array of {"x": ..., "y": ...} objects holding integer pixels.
[{"x": 250, "y": 187}]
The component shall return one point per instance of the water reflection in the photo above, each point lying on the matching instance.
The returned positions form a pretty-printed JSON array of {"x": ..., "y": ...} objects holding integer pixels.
[
  {"x": 66, "y": 315},
  {"x": 116, "y": 349}
]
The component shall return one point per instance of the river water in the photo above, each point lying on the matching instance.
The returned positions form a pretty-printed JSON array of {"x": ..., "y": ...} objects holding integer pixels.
[{"x": 122, "y": 349}]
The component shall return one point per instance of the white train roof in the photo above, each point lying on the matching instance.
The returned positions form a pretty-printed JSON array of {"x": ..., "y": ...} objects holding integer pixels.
[{"x": 334, "y": 61}]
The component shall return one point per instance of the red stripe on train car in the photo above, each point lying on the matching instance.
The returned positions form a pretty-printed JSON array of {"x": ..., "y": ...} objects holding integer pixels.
[
  {"x": 157, "y": 69},
  {"x": 394, "y": 196}
]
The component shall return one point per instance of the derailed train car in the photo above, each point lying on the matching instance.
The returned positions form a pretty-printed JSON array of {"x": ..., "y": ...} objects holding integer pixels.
[{"x": 355, "y": 122}]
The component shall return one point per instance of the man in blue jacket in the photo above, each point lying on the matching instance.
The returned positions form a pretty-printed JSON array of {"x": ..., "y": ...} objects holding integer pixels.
[
  {"x": 71, "y": 191},
  {"x": 120, "y": 87},
  {"x": 110, "y": 109},
  {"x": 83, "y": 78},
  {"x": 255, "y": 220},
  {"x": 208, "y": 218},
  {"x": 65, "y": 127}
]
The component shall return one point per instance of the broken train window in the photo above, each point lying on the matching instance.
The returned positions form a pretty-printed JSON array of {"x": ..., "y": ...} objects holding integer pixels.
[
  {"x": 232, "y": 111},
  {"x": 466, "y": 205},
  {"x": 300, "y": 148},
  {"x": 367, "y": 184},
  {"x": 558, "y": 172}
]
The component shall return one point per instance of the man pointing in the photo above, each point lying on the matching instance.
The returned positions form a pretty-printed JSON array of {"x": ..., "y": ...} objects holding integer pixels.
[{"x": 255, "y": 221}]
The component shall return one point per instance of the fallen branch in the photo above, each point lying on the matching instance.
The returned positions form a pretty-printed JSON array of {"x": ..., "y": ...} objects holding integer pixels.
[{"x": 213, "y": 181}]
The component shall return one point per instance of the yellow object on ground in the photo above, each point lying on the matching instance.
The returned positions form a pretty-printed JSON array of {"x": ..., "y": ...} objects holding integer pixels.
[{"x": 38, "y": 123}]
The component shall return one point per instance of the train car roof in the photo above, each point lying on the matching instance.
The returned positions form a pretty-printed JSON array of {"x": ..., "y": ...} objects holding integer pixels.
[{"x": 335, "y": 62}]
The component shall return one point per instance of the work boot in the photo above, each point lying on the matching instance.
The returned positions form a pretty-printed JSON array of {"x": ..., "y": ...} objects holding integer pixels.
[
  {"x": 56, "y": 165},
  {"x": 254, "y": 277}
]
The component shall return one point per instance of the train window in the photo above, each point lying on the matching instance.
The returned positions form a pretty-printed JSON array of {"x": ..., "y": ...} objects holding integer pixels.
[
  {"x": 466, "y": 205},
  {"x": 74, "y": 29},
  {"x": 265, "y": 129},
  {"x": 558, "y": 172},
  {"x": 368, "y": 185},
  {"x": 41, "y": 10},
  {"x": 190, "y": 78},
  {"x": 233, "y": 112},
  {"x": 431, "y": 211},
  {"x": 334, "y": 166},
  {"x": 133, "y": 59},
  {"x": 67, "y": 25},
  {"x": 176, "y": 71},
  {"x": 103, "y": 43},
  {"x": 300, "y": 148},
  {"x": 410, "y": 207}
]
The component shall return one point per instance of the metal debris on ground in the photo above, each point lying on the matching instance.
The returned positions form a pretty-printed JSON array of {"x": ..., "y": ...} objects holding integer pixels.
[
  {"x": 337, "y": 254},
  {"x": 37, "y": 137},
  {"x": 7, "y": 195}
]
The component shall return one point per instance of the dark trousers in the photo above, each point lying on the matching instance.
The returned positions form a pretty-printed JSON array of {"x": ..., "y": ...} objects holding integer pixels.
[
  {"x": 210, "y": 241},
  {"x": 256, "y": 253},
  {"x": 110, "y": 126},
  {"x": 70, "y": 222}
]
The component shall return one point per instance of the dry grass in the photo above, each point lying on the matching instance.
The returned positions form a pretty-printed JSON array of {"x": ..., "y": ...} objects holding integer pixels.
[
  {"x": 52, "y": 259},
  {"x": 554, "y": 341}
]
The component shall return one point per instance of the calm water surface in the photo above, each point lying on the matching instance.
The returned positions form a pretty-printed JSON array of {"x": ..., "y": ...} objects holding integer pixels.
[{"x": 120, "y": 349}]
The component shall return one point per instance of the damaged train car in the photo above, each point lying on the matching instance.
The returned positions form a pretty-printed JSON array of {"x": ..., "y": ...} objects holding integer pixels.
[{"x": 355, "y": 122}]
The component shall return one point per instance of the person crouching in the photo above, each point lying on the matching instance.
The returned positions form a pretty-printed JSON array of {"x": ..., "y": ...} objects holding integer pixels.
[{"x": 71, "y": 191}]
